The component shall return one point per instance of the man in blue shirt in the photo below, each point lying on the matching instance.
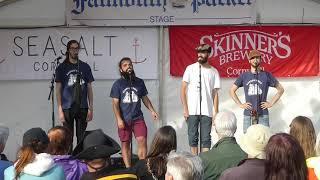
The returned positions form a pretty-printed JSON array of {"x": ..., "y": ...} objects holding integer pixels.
[
  {"x": 74, "y": 95},
  {"x": 127, "y": 93},
  {"x": 256, "y": 83}
]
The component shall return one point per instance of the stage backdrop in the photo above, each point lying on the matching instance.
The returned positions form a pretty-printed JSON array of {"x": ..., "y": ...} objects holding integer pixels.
[
  {"x": 287, "y": 51},
  {"x": 30, "y": 53},
  {"x": 159, "y": 12}
]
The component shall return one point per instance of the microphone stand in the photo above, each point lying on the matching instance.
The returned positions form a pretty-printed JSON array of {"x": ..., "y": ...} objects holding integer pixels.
[
  {"x": 131, "y": 104},
  {"x": 200, "y": 100},
  {"x": 51, "y": 92},
  {"x": 78, "y": 84},
  {"x": 254, "y": 113}
]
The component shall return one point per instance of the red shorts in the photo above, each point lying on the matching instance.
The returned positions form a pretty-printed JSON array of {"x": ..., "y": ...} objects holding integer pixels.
[{"x": 138, "y": 127}]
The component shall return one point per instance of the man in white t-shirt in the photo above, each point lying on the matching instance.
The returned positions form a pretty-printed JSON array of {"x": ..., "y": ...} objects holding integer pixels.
[{"x": 190, "y": 97}]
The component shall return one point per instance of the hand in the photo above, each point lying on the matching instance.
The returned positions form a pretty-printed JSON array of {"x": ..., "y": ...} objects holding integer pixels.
[
  {"x": 120, "y": 124},
  {"x": 247, "y": 106},
  {"x": 213, "y": 119},
  {"x": 155, "y": 115},
  {"x": 89, "y": 115},
  {"x": 265, "y": 105},
  {"x": 61, "y": 116},
  {"x": 186, "y": 114}
]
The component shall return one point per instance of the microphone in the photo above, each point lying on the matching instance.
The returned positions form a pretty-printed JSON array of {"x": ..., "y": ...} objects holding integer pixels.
[{"x": 58, "y": 58}]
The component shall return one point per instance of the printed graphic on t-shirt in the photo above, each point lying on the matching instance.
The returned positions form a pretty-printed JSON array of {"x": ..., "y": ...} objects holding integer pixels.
[
  {"x": 134, "y": 96},
  {"x": 254, "y": 88},
  {"x": 72, "y": 78}
]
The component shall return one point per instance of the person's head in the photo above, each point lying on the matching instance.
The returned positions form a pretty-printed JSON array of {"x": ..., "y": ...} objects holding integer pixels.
[
  {"x": 95, "y": 149},
  {"x": 35, "y": 141},
  {"x": 255, "y": 58},
  {"x": 126, "y": 68},
  {"x": 165, "y": 138},
  {"x": 4, "y": 134},
  {"x": 254, "y": 141},
  {"x": 73, "y": 48},
  {"x": 60, "y": 140},
  {"x": 203, "y": 51},
  {"x": 285, "y": 159},
  {"x": 225, "y": 124},
  {"x": 302, "y": 129},
  {"x": 184, "y": 166}
]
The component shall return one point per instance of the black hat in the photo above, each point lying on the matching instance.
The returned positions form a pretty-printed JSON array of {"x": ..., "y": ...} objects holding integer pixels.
[
  {"x": 203, "y": 48},
  {"x": 35, "y": 134},
  {"x": 95, "y": 144}
]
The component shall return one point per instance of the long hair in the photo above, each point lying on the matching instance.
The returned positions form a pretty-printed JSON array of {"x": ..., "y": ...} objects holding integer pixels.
[
  {"x": 302, "y": 129},
  {"x": 60, "y": 140},
  {"x": 68, "y": 48},
  {"x": 285, "y": 159},
  {"x": 164, "y": 141},
  {"x": 26, "y": 155}
]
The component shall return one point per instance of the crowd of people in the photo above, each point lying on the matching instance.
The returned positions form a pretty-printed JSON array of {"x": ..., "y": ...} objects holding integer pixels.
[{"x": 257, "y": 154}]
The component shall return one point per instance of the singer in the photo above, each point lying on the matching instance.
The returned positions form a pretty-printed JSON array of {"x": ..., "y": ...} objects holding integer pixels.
[
  {"x": 256, "y": 83},
  {"x": 127, "y": 93},
  {"x": 199, "y": 96},
  {"x": 74, "y": 91}
]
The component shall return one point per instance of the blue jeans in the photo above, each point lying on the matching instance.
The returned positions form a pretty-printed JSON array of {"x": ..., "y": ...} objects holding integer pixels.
[
  {"x": 193, "y": 133},
  {"x": 263, "y": 119}
]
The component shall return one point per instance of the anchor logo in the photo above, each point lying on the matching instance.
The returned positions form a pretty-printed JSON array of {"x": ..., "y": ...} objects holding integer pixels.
[
  {"x": 2, "y": 60},
  {"x": 136, "y": 45}
]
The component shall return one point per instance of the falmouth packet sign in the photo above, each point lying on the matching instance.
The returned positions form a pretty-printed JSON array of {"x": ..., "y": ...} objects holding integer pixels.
[{"x": 159, "y": 12}]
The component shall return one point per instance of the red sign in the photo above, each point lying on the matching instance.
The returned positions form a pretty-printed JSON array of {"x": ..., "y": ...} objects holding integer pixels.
[{"x": 287, "y": 51}]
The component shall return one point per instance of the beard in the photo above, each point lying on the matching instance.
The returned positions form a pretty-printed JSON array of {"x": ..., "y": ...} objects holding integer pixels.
[
  {"x": 202, "y": 60},
  {"x": 128, "y": 74},
  {"x": 255, "y": 65},
  {"x": 74, "y": 56}
]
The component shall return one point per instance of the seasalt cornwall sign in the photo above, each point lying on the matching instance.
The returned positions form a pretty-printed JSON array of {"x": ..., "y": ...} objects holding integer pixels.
[{"x": 32, "y": 54}]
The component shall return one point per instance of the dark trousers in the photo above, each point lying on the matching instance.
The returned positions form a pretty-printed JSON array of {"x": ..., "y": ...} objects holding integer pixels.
[{"x": 81, "y": 122}]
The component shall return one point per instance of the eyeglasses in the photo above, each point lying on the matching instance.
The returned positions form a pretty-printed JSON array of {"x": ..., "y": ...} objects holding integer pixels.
[{"x": 74, "y": 49}]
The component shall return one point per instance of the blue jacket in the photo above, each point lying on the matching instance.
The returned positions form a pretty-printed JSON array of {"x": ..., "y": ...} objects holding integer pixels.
[
  {"x": 3, "y": 166},
  {"x": 42, "y": 168}
]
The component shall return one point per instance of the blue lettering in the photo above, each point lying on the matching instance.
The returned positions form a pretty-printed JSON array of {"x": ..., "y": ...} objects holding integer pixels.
[
  {"x": 80, "y": 5},
  {"x": 197, "y": 3}
]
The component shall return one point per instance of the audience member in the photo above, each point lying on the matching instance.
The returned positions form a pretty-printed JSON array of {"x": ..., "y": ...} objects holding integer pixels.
[
  {"x": 32, "y": 162},
  {"x": 59, "y": 146},
  {"x": 155, "y": 165},
  {"x": 285, "y": 159},
  {"x": 4, "y": 134},
  {"x": 302, "y": 129},
  {"x": 4, "y": 163},
  {"x": 313, "y": 163},
  {"x": 253, "y": 143},
  {"x": 95, "y": 149},
  {"x": 184, "y": 166},
  {"x": 226, "y": 153}
]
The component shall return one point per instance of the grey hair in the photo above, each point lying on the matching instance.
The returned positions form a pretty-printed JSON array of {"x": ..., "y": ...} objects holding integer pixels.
[
  {"x": 226, "y": 124},
  {"x": 184, "y": 166},
  {"x": 4, "y": 134}
]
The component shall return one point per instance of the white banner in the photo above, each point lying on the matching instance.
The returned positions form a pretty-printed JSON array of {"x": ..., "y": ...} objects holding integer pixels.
[
  {"x": 31, "y": 53},
  {"x": 159, "y": 12}
]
